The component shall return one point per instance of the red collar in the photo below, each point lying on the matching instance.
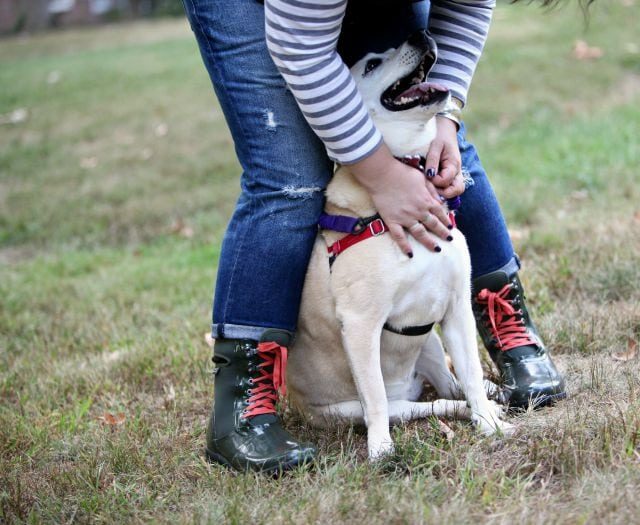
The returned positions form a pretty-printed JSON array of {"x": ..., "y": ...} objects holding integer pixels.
[{"x": 372, "y": 229}]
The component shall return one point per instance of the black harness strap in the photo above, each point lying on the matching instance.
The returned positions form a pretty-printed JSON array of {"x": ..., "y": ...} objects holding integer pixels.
[{"x": 409, "y": 330}]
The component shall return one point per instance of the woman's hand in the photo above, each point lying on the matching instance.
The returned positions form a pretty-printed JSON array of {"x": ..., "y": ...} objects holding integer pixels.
[
  {"x": 404, "y": 199},
  {"x": 443, "y": 160}
]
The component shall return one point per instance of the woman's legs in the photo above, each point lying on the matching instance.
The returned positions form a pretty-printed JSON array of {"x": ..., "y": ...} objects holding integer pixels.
[{"x": 268, "y": 241}]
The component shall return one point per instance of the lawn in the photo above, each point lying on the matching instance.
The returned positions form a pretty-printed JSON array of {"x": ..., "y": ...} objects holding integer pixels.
[{"x": 117, "y": 177}]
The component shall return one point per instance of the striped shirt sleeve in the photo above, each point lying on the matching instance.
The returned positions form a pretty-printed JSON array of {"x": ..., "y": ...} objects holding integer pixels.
[
  {"x": 302, "y": 38},
  {"x": 460, "y": 29}
]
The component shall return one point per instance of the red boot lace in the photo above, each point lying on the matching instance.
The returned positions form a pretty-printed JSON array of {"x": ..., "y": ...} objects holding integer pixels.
[
  {"x": 507, "y": 325},
  {"x": 272, "y": 379}
]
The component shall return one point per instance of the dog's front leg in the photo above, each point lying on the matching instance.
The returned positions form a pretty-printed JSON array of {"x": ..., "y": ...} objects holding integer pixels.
[
  {"x": 361, "y": 340},
  {"x": 458, "y": 331}
]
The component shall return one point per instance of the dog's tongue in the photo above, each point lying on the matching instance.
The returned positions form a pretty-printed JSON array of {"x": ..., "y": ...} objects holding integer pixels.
[{"x": 423, "y": 88}]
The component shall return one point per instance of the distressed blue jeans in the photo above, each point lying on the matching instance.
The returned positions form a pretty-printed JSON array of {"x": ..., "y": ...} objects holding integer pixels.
[{"x": 285, "y": 169}]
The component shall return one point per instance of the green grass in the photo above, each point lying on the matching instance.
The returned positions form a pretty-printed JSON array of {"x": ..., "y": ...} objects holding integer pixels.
[{"x": 105, "y": 293}]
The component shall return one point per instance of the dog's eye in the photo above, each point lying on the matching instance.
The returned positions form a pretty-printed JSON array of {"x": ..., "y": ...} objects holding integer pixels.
[{"x": 371, "y": 65}]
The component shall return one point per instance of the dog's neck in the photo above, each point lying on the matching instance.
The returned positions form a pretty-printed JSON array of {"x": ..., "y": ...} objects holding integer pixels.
[{"x": 410, "y": 138}]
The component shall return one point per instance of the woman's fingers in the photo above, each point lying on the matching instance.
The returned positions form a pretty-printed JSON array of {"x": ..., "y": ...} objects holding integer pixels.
[
  {"x": 420, "y": 234},
  {"x": 456, "y": 188},
  {"x": 400, "y": 237},
  {"x": 437, "y": 208},
  {"x": 434, "y": 224}
]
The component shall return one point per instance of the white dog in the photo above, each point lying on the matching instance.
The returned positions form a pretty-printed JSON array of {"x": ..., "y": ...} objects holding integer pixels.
[{"x": 349, "y": 361}]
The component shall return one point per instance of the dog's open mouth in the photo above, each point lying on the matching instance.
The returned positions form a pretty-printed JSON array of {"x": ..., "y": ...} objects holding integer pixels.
[{"x": 412, "y": 90}]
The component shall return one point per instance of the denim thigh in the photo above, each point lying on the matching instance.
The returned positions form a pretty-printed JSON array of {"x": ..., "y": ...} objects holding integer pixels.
[{"x": 268, "y": 241}]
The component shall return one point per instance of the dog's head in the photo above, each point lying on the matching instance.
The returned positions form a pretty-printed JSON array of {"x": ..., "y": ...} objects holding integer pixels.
[{"x": 394, "y": 89}]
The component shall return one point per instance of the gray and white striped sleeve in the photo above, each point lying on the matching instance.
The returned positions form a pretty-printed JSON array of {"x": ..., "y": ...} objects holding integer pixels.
[
  {"x": 460, "y": 29},
  {"x": 302, "y": 38}
]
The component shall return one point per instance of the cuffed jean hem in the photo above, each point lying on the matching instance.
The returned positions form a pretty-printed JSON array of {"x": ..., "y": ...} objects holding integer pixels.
[
  {"x": 237, "y": 331},
  {"x": 511, "y": 267}
]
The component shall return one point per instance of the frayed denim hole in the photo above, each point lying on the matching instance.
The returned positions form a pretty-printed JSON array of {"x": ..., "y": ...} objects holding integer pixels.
[
  {"x": 301, "y": 192},
  {"x": 467, "y": 178},
  {"x": 269, "y": 120}
]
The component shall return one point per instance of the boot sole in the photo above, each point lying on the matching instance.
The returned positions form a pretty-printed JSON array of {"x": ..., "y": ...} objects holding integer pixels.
[
  {"x": 538, "y": 402},
  {"x": 214, "y": 457}
]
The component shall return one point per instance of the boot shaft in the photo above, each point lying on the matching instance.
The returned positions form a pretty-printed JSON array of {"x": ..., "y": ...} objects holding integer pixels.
[
  {"x": 233, "y": 360},
  {"x": 237, "y": 366},
  {"x": 494, "y": 283}
]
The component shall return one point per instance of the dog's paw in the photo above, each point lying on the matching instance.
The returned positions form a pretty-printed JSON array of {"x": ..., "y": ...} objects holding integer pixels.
[
  {"x": 496, "y": 427},
  {"x": 499, "y": 410},
  {"x": 505, "y": 429},
  {"x": 490, "y": 423},
  {"x": 380, "y": 450}
]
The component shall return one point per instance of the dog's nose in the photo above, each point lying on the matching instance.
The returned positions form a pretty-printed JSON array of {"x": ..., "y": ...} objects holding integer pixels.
[{"x": 422, "y": 40}]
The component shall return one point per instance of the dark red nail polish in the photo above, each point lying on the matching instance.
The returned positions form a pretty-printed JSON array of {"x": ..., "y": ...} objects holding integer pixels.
[
  {"x": 410, "y": 254},
  {"x": 438, "y": 249},
  {"x": 450, "y": 238},
  {"x": 450, "y": 226},
  {"x": 431, "y": 173}
]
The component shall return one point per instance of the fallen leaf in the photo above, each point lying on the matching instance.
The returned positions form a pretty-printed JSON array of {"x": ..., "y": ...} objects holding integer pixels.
[
  {"x": 112, "y": 420},
  {"x": 636, "y": 215},
  {"x": 446, "y": 430},
  {"x": 179, "y": 227},
  {"x": 632, "y": 350},
  {"x": 209, "y": 339},
  {"x": 583, "y": 51}
]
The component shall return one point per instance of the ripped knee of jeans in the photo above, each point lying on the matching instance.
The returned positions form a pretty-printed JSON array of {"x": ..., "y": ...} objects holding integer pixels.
[
  {"x": 467, "y": 178},
  {"x": 301, "y": 192}
]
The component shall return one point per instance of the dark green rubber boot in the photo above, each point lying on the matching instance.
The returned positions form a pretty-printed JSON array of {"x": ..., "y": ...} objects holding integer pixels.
[
  {"x": 244, "y": 431},
  {"x": 529, "y": 375}
]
